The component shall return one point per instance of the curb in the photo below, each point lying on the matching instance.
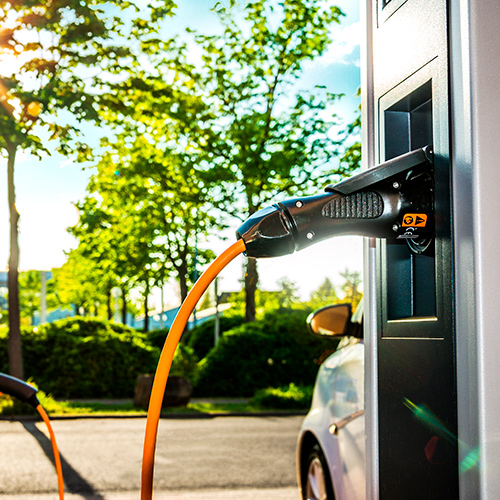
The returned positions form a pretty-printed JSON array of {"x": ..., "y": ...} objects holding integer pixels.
[{"x": 171, "y": 416}]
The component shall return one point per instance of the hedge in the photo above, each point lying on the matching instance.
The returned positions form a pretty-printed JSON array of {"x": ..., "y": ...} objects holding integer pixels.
[
  {"x": 201, "y": 337},
  {"x": 272, "y": 352},
  {"x": 84, "y": 357}
]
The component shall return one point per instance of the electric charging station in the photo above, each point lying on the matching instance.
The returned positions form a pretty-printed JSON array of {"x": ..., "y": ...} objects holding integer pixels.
[{"x": 431, "y": 78}]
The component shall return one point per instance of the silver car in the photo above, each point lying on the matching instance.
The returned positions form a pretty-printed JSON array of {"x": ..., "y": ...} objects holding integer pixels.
[{"x": 331, "y": 445}]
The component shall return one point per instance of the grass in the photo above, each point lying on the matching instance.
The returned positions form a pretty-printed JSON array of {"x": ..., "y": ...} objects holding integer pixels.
[
  {"x": 285, "y": 398},
  {"x": 96, "y": 409}
]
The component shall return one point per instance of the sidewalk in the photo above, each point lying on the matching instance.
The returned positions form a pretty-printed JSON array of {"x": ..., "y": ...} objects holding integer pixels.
[{"x": 240, "y": 494}]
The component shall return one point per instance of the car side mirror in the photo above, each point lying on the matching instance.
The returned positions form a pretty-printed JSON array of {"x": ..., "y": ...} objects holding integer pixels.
[{"x": 331, "y": 321}]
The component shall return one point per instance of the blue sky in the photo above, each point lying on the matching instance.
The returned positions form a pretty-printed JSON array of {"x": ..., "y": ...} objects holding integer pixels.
[{"x": 46, "y": 189}]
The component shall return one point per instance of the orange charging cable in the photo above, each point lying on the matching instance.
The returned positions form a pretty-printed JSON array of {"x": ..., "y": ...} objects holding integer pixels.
[
  {"x": 57, "y": 459},
  {"x": 167, "y": 354}
]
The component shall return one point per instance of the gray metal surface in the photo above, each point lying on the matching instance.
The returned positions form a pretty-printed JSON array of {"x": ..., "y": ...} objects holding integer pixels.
[
  {"x": 406, "y": 48},
  {"x": 370, "y": 319},
  {"x": 475, "y": 91},
  {"x": 381, "y": 172}
]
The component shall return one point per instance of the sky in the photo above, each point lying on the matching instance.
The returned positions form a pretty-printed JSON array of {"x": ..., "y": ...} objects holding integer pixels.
[{"x": 47, "y": 189}]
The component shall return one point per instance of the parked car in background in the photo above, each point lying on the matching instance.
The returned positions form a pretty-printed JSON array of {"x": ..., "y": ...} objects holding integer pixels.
[{"x": 331, "y": 444}]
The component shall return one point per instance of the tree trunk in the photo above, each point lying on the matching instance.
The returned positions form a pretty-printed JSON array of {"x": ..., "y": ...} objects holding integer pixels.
[
  {"x": 124, "y": 306},
  {"x": 183, "y": 287},
  {"x": 183, "y": 281},
  {"x": 15, "y": 349},
  {"x": 251, "y": 280},
  {"x": 146, "y": 308},
  {"x": 109, "y": 304}
]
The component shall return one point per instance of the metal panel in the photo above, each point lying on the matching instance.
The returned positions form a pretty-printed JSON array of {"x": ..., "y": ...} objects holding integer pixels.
[
  {"x": 475, "y": 73},
  {"x": 410, "y": 331}
]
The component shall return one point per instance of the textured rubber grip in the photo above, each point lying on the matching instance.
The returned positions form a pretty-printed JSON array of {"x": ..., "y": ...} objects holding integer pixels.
[{"x": 364, "y": 205}]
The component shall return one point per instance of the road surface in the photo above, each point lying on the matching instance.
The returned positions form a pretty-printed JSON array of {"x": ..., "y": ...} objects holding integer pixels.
[{"x": 196, "y": 458}]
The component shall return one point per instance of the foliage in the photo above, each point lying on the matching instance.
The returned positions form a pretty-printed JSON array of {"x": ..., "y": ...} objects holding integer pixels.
[
  {"x": 46, "y": 89},
  {"x": 227, "y": 117},
  {"x": 201, "y": 337},
  {"x": 141, "y": 220},
  {"x": 145, "y": 226},
  {"x": 82, "y": 357},
  {"x": 78, "y": 283},
  {"x": 350, "y": 287},
  {"x": 156, "y": 338},
  {"x": 265, "y": 301},
  {"x": 185, "y": 362},
  {"x": 185, "y": 359},
  {"x": 326, "y": 294},
  {"x": 288, "y": 293},
  {"x": 272, "y": 138},
  {"x": 288, "y": 397},
  {"x": 352, "y": 154},
  {"x": 274, "y": 351},
  {"x": 48, "y": 46},
  {"x": 29, "y": 293}
]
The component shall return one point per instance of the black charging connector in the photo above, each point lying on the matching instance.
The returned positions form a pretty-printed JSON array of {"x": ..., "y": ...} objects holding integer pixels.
[
  {"x": 12, "y": 386},
  {"x": 393, "y": 200}
]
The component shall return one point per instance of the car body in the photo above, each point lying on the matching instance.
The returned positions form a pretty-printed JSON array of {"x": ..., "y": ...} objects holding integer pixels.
[{"x": 331, "y": 444}]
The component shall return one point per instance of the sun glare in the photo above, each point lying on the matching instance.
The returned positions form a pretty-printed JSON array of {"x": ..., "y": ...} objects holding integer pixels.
[{"x": 9, "y": 65}]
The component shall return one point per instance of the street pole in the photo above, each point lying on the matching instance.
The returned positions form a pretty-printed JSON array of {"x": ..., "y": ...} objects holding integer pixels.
[
  {"x": 43, "y": 297},
  {"x": 217, "y": 322}
]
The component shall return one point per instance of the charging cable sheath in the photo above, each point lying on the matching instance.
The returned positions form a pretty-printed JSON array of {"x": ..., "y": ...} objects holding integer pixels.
[
  {"x": 167, "y": 354},
  {"x": 26, "y": 393},
  {"x": 57, "y": 459}
]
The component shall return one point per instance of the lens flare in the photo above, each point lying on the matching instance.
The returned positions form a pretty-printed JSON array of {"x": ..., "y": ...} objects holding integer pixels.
[
  {"x": 34, "y": 108},
  {"x": 428, "y": 418}
]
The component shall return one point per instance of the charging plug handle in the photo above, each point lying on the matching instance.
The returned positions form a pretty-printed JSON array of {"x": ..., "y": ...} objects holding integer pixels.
[
  {"x": 12, "y": 386},
  {"x": 395, "y": 206}
]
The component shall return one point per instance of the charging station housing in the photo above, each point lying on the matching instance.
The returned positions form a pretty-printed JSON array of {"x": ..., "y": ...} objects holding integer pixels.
[{"x": 430, "y": 77}]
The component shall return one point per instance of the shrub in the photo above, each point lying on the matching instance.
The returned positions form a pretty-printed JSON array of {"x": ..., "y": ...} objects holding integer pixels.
[
  {"x": 201, "y": 337},
  {"x": 156, "y": 338},
  {"x": 274, "y": 351},
  {"x": 185, "y": 362},
  {"x": 85, "y": 357},
  {"x": 288, "y": 397}
]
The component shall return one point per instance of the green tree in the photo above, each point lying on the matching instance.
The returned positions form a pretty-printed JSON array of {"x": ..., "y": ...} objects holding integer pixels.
[
  {"x": 352, "y": 153},
  {"x": 154, "y": 174},
  {"x": 116, "y": 249},
  {"x": 324, "y": 295},
  {"x": 271, "y": 138},
  {"x": 233, "y": 116},
  {"x": 148, "y": 216},
  {"x": 54, "y": 44},
  {"x": 288, "y": 293},
  {"x": 30, "y": 292},
  {"x": 350, "y": 287},
  {"x": 109, "y": 249},
  {"x": 77, "y": 285},
  {"x": 30, "y": 284}
]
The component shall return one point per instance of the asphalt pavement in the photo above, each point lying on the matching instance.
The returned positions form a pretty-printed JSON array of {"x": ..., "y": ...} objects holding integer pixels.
[
  {"x": 197, "y": 459},
  {"x": 231, "y": 494}
]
